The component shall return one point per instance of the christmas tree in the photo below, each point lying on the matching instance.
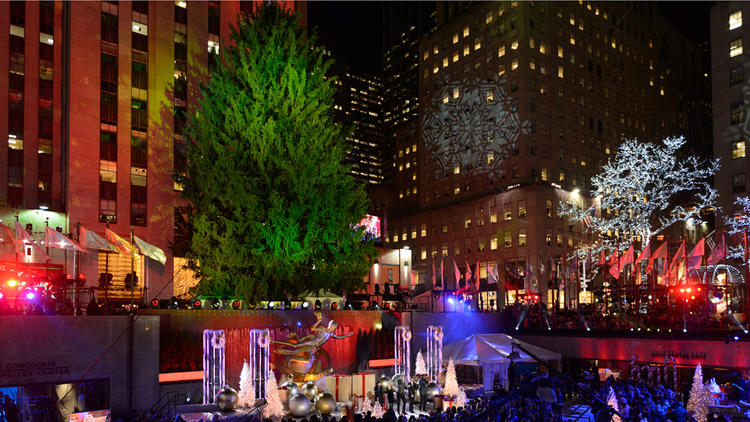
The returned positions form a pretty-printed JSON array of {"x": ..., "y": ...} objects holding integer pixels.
[
  {"x": 377, "y": 411},
  {"x": 612, "y": 402},
  {"x": 421, "y": 366},
  {"x": 366, "y": 406},
  {"x": 460, "y": 399},
  {"x": 700, "y": 397},
  {"x": 451, "y": 383},
  {"x": 247, "y": 392},
  {"x": 265, "y": 168},
  {"x": 274, "y": 407}
]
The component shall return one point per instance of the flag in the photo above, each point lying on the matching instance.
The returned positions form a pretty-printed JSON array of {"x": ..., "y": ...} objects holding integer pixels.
[
  {"x": 627, "y": 258},
  {"x": 492, "y": 275},
  {"x": 58, "y": 240},
  {"x": 456, "y": 272},
  {"x": 442, "y": 272},
  {"x": 90, "y": 240},
  {"x": 477, "y": 276},
  {"x": 602, "y": 258},
  {"x": 434, "y": 277},
  {"x": 660, "y": 253},
  {"x": 150, "y": 250},
  {"x": 720, "y": 251},
  {"x": 468, "y": 273},
  {"x": 589, "y": 215},
  {"x": 6, "y": 234},
  {"x": 710, "y": 242},
  {"x": 123, "y": 246},
  {"x": 645, "y": 253},
  {"x": 696, "y": 255},
  {"x": 675, "y": 266},
  {"x": 24, "y": 238},
  {"x": 614, "y": 265}
]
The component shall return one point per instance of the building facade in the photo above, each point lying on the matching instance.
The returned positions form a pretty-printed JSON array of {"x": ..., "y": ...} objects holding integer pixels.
[
  {"x": 731, "y": 95},
  {"x": 97, "y": 97},
  {"x": 520, "y": 103}
]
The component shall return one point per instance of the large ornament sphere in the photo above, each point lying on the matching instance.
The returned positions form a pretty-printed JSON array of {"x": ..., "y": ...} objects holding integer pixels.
[
  {"x": 325, "y": 403},
  {"x": 310, "y": 391},
  {"x": 384, "y": 382},
  {"x": 292, "y": 388},
  {"x": 299, "y": 405},
  {"x": 227, "y": 399},
  {"x": 432, "y": 390}
]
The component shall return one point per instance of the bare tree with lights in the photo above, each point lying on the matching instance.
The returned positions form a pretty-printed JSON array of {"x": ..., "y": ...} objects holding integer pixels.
[
  {"x": 738, "y": 223},
  {"x": 643, "y": 190}
]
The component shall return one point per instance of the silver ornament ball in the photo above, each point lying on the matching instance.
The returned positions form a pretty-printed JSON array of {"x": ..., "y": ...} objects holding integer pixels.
[
  {"x": 292, "y": 388},
  {"x": 432, "y": 390},
  {"x": 310, "y": 391},
  {"x": 227, "y": 399},
  {"x": 299, "y": 405}
]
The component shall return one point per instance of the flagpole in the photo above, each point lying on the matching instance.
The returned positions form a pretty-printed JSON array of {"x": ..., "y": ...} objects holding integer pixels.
[
  {"x": 747, "y": 280},
  {"x": 133, "y": 281},
  {"x": 76, "y": 267},
  {"x": 17, "y": 240}
]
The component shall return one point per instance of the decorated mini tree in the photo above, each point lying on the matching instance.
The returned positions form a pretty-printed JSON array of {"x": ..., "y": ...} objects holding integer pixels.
[
  {"x": 699, "y": 397},
  {"x": 377, "y": 411},
  {"x": 612, "y": 402},
  {"x": 461, "y": 398},
  {"x": 421, "y": 367},
  {"x": 366, "y": 406},
  {"x": 274, "y": 407},
  {"x": 247, "y": 392},
  {"x": 451, "y": 383}
]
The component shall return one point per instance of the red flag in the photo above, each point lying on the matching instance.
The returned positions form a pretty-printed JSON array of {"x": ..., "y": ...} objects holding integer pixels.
[
  {"x": 719, "y": 253},
  {"x": 696, "y": 255},
  {"x": 614, "y": 266},
  {"x": 477, "y": 276},
  {"x": 627, "y": 258},
  {"x": 676, "y": 265},
  {"x": 434, "y": 277},
  {"x": 645, "y": 253},
  {"x": 660, "y": 253},
  {"x": 456, "y": 272},
  {"x": 602, "y": 258},
  {"x": 468, "y": 272}
]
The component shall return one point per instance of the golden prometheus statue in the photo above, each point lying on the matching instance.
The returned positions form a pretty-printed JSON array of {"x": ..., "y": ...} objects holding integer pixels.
[{"x": 305, "y": 359}]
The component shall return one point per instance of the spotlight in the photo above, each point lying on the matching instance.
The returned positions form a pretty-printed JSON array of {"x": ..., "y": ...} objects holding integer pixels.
[
  {"x": 236, "y": 305},
  {"x": 271, "y": 305},
  {"x": 1, "y": 295},
  {"x": 12, "y": 283},
  {"x": 736, "y": 338},
  {"x": 30, "y": 295},
  {"x": 197, "y": 304},
  {"x": 155, "y": 303},
  {"x": 305, "y": 305},
  {"x": 299, "y": 324},
  {"x": 450, "y": 300}
]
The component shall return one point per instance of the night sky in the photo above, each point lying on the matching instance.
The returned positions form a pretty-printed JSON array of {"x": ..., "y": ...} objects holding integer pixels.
[{"x": 353, "y": 31}]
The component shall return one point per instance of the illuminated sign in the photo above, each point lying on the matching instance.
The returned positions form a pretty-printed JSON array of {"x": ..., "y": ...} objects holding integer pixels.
[{"x": 371, "y": 223}]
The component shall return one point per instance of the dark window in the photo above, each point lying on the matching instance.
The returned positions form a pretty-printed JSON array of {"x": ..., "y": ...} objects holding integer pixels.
[
  {"x": 180, "y": 87},
  {"x": 139, "y": 115},
  {"x": 213, "y": 18},
  {"x": 108, "y": 108},
  {"x": 15, "y": 118},
  {"x": 138, "y": 152},
  {"x": 108, "y": 146},
  {"x": 17, "y": 12},
  {"x": 140, "y": 7},
  {"x": 180, "y": 160},
  {"x": 17, "y": 44},
  {"x": 107, "y": 201},
  {"x": 140, "y": 42},
  {"x": 738, "y": 182},
  {"x": 16, "y": 85},
  {"x": 46, "y": 52},
  {"x": 109, "y": 73},
  {"x": 45, "y": 89},
  {"x": 179, "y": 119},
  {"x": 109, "y": 28},
  {"x": 180, "y": 14},
  {"x": 46, "y": 15},
  {"x": 45, "y": 123},
  {"x": 139, "y": 75},
  {"x": 137, "y": 205},
  {"x": 735, "y": 75},
  {"x": 737, "y": 112}
]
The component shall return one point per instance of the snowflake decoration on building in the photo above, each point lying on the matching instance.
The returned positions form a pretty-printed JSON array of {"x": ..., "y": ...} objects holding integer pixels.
[{"x": 472, "y": 125}]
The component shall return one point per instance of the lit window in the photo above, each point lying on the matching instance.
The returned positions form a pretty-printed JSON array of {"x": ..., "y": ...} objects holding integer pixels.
[
  {"x": 467, "y": 222},
  {"x": 572, "y": 39},
  {"x": 514, "y": 45},
  {"x": 501, "y": 70},
  {"x": 489, "y": 17},
  {"x": 455, "y": 38},
  {"x": 456, "y": 93},
  {"x": 508, "y": 215},
  {"x": 477, "y": 44},
  {"x": 493, "y": 242},
  {"x": 522, "y": 208},
  {"x": 445, "y": 62},
  {"x": 457, "y": 170},
  {"x": 560, "y": 72},
  {"x": 466, "y": 50},
  {"x": 514, "y": 64},
  {"x": 426, "y": 55},
  {"x": 434, "y": 50},
  {"x": 562, "y": 175},
  {"x": 455, "y": 57},
  {"x": 423, "y": 253},
  {"x": 466, "y": 31},
  {"x": 735, "y": 20},
  {"x": 544, "y": 174},
  {"x": 423, "y": 230},
  {"x": 735, "y": 47},
  {"x": 532, "y": 63},
  {"x": 542, "y": 48},
  {"x": 507, "y": 238},
  {"x": 559, "y": 51},
  {"x": 445, "y": 100},
  {"x": 572, "y": 20},
  {"x": 532, "y": 43},
  {"x": 456, "y": 190},
  {"x": 490, "y": 157},
  {"x": 738, "y": 149},
  {"x": 501, "y": 51},
  {"x": 521, "y": 237},
  {"x": 435, "y": 69}
]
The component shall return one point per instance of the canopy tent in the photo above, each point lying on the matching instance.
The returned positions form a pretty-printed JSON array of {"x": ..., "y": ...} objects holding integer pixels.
[
  {"x": 491, "y": 351},
  {"x": 325, "y": 297}
]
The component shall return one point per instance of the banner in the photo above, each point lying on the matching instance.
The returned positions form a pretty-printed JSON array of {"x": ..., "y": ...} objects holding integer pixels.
[
  {"x": 54, "y": 239},
  {"x": 91, "y": 240},
  {"x": 150, "y": 250}
]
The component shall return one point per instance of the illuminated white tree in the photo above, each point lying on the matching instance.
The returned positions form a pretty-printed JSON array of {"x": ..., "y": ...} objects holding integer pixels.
[
  {"x": 451, "y": 383},
  {"x": 643, "y": 190},
  {"x": 377, "y": 411},
  {"x": 737, "y": 223},
  {"x": 366, "y": 405},
  {"x": 274, "y": 408},
  {"x": 247, "y": 392},
  {"x": 612, "y": 402},
  {"x": 421, "y": 367},
  {"x": 700, "y": 397}
]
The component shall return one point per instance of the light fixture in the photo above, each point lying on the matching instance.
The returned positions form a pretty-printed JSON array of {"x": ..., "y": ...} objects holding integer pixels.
[
  {"x": 43, "y": 207},
  {"x": 30, "y": 295}
]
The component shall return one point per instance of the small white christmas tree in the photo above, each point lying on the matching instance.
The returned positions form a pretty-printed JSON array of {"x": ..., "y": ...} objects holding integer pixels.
[
  {"x": 421, "y": 366},
  {"x": 366, "y": 406},
  {"x": 460, "y": 399},
  {"x": 377, "y": 411},
  {"x": 451, "y": 383},
  {"x": 612, "y": 402},
  {"x": 247, "y": 392},
  {"x": 699, "y": 397},
  {"x": 274, "y": 408}
]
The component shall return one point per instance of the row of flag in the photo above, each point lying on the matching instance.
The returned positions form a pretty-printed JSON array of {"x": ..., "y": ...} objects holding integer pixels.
[
  {"x": 87, "y": 240},
  {"x": 492, "y": 275},
  {"x": 677, "y": 266}
]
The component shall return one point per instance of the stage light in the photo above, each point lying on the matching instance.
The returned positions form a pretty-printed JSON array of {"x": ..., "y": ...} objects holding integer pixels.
[
  {"x": 689, "y": 290},
  {"x": 684, "y": 330},
  {"x": 197, "y": 304},
  {"x": 450, "y": 300},
  {"x": 1, "y": 295},
  {"x": 299, "y": 324},
  {"x": 12, "y": 283},
  {"x": 30, "y": 295},
  {"x": 736, "y": 338},
  {"x": 271, "y": 305},
  {"x": 155, "y": 303},
  {"x": 236, "y": 305}
]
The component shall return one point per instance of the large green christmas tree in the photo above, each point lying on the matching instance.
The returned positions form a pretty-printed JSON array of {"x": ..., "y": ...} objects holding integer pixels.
[{"x": 274, "y": 203}]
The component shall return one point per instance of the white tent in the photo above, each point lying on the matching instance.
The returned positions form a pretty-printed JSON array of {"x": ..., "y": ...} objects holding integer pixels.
[
  {"x": 325, "y": 297},
  {"x": 491, "y": 351}
]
